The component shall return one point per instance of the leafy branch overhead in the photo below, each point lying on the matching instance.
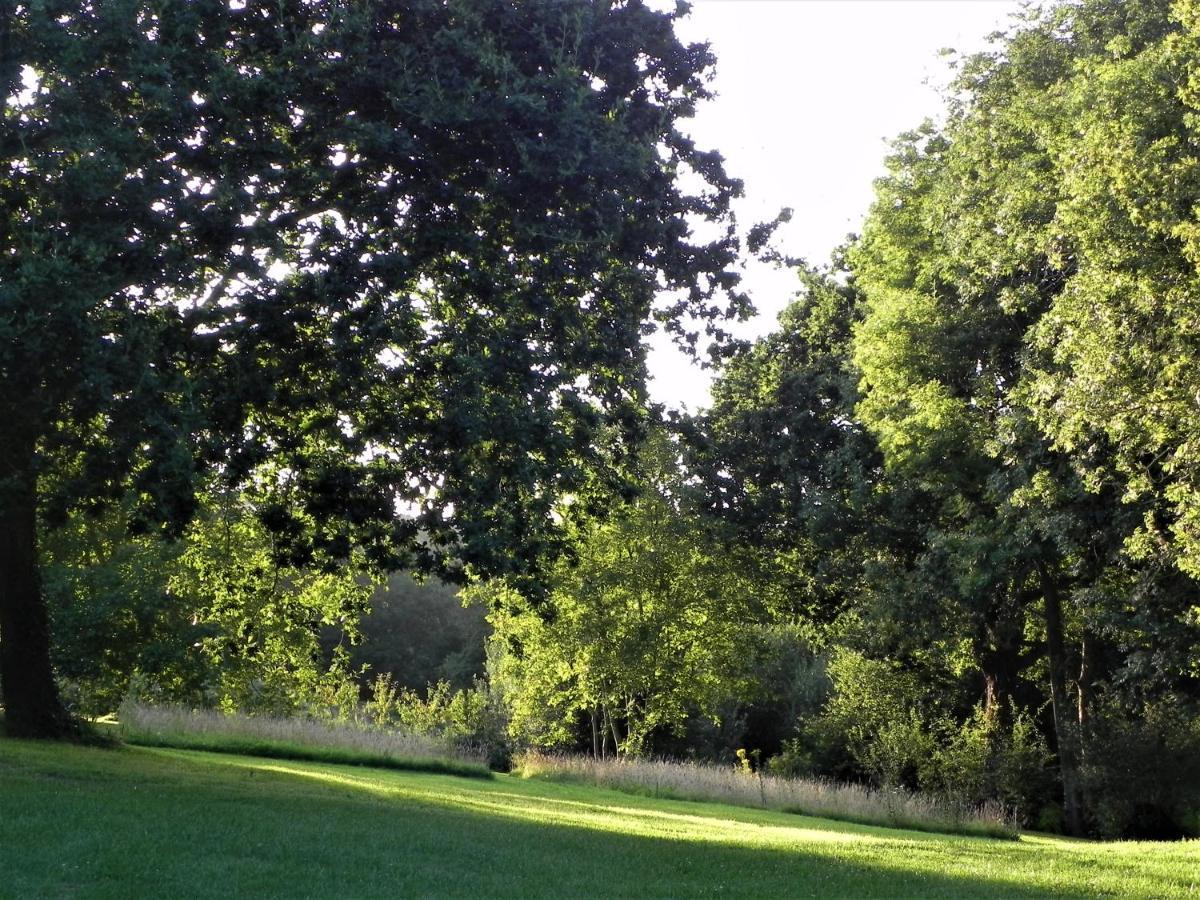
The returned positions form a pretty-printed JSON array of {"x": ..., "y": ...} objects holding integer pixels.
[{"x": 363, "y": 259}]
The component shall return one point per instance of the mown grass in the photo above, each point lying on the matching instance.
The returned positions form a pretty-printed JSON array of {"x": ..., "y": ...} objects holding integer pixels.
[
  {"x": 686, "y": 780},
  {"x": 138, "y": 822},
  {"x": 292, "y": 738}
]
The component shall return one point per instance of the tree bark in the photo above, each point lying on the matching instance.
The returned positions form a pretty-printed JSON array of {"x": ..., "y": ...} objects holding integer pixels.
[
  {"x": 1087, "y": 654},
  {"x": 612, "y": 724},
  {"x": 595, "y": 715},
  {"x": 32, "y": 706},
  {"x": 998, "y": 651},
  {"x": 1065, "y": 724}
]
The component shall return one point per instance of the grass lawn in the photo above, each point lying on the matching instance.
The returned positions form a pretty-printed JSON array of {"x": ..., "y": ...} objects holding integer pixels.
[{"x": 138, "y": 821}]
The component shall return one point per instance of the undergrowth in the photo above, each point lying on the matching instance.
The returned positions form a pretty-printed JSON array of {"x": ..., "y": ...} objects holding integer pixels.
[
  {"x": 683, "y": 780},
  {"x": 293, "y": 738}
]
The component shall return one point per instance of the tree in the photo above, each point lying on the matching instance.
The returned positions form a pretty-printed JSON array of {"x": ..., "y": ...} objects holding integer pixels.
[
  {"x": 355, "y": 258},
  {"x": 419, "y": 634},
  {"x": 975, "y": 447},
  {"x": 993, "y": 262},
  {"x": 782, "y": 459},
  {"x": 645, "y": 624}
]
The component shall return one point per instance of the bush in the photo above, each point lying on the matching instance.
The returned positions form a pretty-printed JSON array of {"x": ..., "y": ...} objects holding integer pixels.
[
  {"x": 795, "y": 760},
  {"x": 878, "y": 725},
  {"x": 1141, "y": 771},
  {"x": 872, "y": 726},
  {"x": 983, "y": 760},
  {"x": 781, "y": 682},
  {"x": 472, "y": 720}
]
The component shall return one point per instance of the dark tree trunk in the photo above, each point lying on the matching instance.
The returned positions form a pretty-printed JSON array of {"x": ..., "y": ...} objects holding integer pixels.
[
  {"x": 1087, "y": 662},
  {"x": 595, "y": 716},
  {"x": 1066, "y": 725},
  {"x": 32, "y": 707},
  {"x": 998, "y": 651}
]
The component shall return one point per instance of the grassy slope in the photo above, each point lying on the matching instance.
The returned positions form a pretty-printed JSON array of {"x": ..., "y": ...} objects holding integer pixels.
[{"x": 154, "y": 822}]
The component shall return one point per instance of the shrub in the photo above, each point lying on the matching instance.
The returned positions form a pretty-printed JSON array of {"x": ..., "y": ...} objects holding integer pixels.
[
  {"x": 472, "y": 720},
  {"x": 872, "y": 725},
  {"x": 1141, "y": 770},
  {"x": 984, "y": 760}
]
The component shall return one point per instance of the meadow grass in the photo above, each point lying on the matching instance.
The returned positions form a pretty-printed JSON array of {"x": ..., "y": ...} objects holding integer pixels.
[
  {"x": 139, "y": 822},
  {"x": 685, "y": 780},
  {"x": 343, "y": 743}
]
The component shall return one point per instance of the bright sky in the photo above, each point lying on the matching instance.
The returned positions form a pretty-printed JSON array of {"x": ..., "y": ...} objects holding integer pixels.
[{"x": 809, "y": 93}]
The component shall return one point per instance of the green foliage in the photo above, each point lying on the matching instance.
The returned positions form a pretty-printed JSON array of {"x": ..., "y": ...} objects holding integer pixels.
[
  {"x": 645, "y": 624},
  {"x": 1021, "y": 274},
  {"x": 353, "y": 258},
  {"x": 471, "y": 719},
  {"x": 1143, "y": 771},
  {"x": 785, "y": 684},
  {"x": 781, "y": 457},
  {"x": 418, "y": 633},
  {"x": 879, "y": 722},
  {"x": 114, "y": 619},
  {"x": 263, "y": 653},
  {"x": 213, "y": 619},
  {"x": 874, "y": 713},
  {"x": 985, "y": 760}
]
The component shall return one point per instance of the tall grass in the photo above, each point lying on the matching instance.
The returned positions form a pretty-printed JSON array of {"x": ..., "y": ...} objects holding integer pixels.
[
  {"x": 293, "y": 738},
  {"x": 809, "y": 796}
]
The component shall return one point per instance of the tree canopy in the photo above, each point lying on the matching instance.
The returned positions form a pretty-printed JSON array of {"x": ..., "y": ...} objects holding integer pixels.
[
  {"x": 1016, "y": 348},
  {"x": 386, "y": 266}
]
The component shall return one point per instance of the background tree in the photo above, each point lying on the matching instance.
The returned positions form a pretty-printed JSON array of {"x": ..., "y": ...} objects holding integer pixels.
[
  {"x": 359, "y": 258},
  {"x": 419, "y": 633},
  {"x": 782, "y": 459},
  {"x": 212, "y": 619},
  {"x": 646, "y": 624}
]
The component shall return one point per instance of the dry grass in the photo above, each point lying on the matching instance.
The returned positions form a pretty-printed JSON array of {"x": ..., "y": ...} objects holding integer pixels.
[
  {"x": 292, "y": 738},
  {"x": 813, "y": 797}
]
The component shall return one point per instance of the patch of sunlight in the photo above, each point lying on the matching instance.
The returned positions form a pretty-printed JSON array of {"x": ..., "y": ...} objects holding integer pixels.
[
  {"x": 619, "y": 819},
  {"x": 1036, "y": 862},
  {"x": 705, "y": 821}
]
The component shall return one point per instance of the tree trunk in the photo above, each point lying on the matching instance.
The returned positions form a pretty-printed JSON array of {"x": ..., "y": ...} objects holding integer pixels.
[
  {"x": 1065, "y": 724},
  {"x": 32, "y": 707},
  {"x": 595, "y": 731},
  {"x": 612, "y": 724},
  {"x": 998, "y": 651},
  {"x": 1087, "y": 654}
]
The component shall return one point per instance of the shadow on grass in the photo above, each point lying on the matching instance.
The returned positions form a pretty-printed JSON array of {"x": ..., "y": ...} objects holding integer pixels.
[
  {"x": 78, "y": 731},
  {"x": 148, "y": 822}
]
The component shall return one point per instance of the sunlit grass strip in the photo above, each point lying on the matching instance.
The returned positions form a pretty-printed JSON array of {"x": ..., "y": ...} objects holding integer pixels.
[
  {"x": 292, "y": 738},
  {"x": 684, "y": 780}
]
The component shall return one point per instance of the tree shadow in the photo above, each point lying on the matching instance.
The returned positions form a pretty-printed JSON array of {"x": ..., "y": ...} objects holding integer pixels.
[{"x": 217, "y": 826}]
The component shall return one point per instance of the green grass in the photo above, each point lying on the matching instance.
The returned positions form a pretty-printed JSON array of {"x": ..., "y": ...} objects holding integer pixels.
[{"x": 136, "y": 822}]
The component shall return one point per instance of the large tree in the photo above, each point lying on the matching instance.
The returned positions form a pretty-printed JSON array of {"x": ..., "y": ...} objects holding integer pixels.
[
  {"x": 1027, "y": 274},
  {"x": 783, "y": 459},
  {"x": 1016, "y": 338},
  {"x": 358, "y": 259}
]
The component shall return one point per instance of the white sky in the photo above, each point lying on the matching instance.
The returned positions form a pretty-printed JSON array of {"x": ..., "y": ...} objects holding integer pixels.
[{"x": 809, "y": 93}]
